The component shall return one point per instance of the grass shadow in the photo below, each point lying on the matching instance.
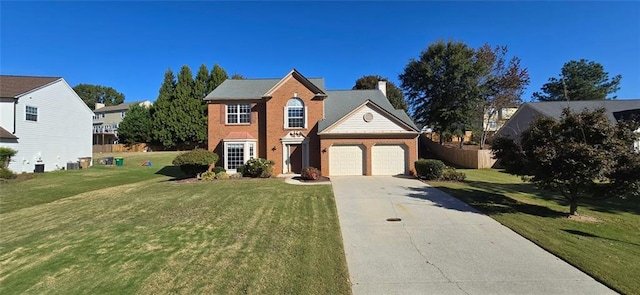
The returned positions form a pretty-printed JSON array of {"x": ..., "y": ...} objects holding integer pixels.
[
  {"x": 590, "y": 235},
  {"x": 172, "y": 171},
  {"x": 493, "y": 203}
]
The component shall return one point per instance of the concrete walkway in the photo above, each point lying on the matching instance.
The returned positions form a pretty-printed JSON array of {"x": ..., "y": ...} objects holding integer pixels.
[{"x": 441, "y": 246}]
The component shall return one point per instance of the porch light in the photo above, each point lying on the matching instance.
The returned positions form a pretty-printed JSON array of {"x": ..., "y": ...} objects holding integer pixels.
[{"x": 273, "y": 148}]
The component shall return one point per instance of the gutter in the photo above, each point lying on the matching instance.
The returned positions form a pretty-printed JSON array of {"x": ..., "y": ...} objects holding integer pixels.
[{"x": 15, "y": 102}]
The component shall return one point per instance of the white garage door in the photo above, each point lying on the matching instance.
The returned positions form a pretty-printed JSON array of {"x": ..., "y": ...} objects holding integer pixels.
[
  {"x": 388, "y": 160},
  {"x": 346, "y": 160}
]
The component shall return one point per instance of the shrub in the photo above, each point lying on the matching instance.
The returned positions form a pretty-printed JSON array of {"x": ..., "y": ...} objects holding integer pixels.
[
  {"x": 222, "y": 175},
  {"x": 196, "y": 161},
  {"x": 207, "y": 175},
  {"x": 509, "y": 155},
  {"x": 5, "y": 156},
  {"x": 236, "y": 175},
  {"x": 218, "y": 169},
  {"x": 5, "y": 173},
  {"x": 240, "y": 169},
  {"x": 258, "y": 167},
  {"x": 429, "y": 169},
  {"x": 450, "y": 174},
  {"x": 310, "y": 173}
]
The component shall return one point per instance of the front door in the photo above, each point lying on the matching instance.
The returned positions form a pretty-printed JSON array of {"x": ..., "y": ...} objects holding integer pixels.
[{"x": 295, "y": 158}]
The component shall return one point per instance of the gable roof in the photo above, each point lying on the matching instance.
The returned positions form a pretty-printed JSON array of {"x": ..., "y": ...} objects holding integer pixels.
[
  {"x": 15, "y": 86},
  {"x": 553, "y": 109},
  {"x": 251, "y": 89},
  {"x": 6, "y": 134},
  {"x": 295, "y": 74},
  {"x": 339, "y": 103}
]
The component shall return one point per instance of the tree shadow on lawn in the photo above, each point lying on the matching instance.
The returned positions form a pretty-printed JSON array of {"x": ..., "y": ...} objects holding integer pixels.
[
  {"x": 172, "y": 171},
  {"x": 609, "y": 205},
  {"x": 493, "y": 203},
  {"x": 590, "y": 235}
]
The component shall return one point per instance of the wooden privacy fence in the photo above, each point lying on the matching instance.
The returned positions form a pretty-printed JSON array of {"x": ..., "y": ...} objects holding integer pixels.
[
  {"x": 474, "y": 159},
  {"x": 115, "y": 148}
]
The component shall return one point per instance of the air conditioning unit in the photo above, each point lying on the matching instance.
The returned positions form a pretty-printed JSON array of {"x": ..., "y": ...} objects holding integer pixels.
[{"x": 73, "y": 165}]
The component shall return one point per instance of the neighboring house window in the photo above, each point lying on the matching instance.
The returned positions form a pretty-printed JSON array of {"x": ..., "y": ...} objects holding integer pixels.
[
  {"x": 31, "y": 113},
  {"x": 295, "y": 114},
  {"x": 238, "y": 113},
  {"x": 237, "y": 153},
  {"x": 122, "y": 114}
]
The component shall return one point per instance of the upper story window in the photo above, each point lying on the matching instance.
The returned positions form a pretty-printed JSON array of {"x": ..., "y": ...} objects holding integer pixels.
[
  {"x": 122, "y": 114},
  {"x": 295, "y": 114},
  {"x": 31, "y": 113},
  {"x": 239, "y": 113}
]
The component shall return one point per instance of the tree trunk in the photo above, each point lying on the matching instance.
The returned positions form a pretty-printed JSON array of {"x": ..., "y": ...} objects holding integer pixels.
[
  {"x": 573, "y": 206},
  {"x": 461, "y": 139}
]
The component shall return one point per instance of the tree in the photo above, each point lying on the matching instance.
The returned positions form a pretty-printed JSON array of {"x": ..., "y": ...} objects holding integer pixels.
[
  {"x": 237, "y": 76},
  {"x": 136, "y": 126},
  {"x": 162, "y": 116},
  {"x": 190, "y": 127},
  {"x": 443, "y": 87},
  {"x": 581, "y": 155},
  {"x": 502, "y": 85},
  {"x": 218, "y": 75},
  {"x": 394, "y": 94},
  {"x": 201, "y": 83},
  {"x": 92, "y": 94},
  {"x": 580, "y": 80}
]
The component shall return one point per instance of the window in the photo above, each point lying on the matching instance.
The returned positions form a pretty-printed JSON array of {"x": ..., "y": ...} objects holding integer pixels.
[
  {"x": 31, "y": 113},
  {"x": 238, "y": 113},
  {"x": 295, "y": 114},
  {"x": 237, "y": 153},
  {"x": 122, "y": 114}
]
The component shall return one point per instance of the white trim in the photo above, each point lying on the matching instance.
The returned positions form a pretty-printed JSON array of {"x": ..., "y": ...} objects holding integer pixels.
[{"x": 286, "y": 142}]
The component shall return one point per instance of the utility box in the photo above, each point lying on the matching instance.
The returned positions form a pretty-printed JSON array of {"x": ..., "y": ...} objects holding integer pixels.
[
  {"x": 85, "y": 162},
  {"x": 39, "y": 168},
  {"x": 73, "y": 166}
]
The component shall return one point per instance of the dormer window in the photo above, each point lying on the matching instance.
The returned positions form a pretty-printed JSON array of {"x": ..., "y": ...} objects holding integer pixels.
[{"x": 295, "y": 114}]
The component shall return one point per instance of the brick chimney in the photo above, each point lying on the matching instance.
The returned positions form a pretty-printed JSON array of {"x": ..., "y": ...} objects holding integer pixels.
[{"x": 382, "y": 86}]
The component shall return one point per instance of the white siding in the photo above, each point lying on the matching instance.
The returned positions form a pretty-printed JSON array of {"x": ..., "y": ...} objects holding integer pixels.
[
  {"x": 62, "y": 133},
  {"x": 380, "y": 123},
  {"x": 6, "y": 113}
]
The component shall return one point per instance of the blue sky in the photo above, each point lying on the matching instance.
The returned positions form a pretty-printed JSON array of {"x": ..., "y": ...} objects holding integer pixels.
[{"x": 129, "y": 45}]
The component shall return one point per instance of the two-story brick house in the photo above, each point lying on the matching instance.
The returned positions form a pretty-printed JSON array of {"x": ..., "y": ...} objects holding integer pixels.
[{"x": 296, "y": 122}]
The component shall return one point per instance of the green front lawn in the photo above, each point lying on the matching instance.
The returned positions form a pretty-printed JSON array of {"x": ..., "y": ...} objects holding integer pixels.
[
  {"x": 142, "y": 233},
  {"x": 604, "y": 243}
]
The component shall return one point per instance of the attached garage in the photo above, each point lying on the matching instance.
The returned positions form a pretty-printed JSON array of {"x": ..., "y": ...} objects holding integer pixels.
[
  {"x": 388, "y": 159},
  {"x": 346, "y": 160}
]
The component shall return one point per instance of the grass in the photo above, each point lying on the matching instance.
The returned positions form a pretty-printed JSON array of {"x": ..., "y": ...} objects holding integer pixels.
[
  {"x": 608, "y": 250},
  {"x": 142, "y": 233}
]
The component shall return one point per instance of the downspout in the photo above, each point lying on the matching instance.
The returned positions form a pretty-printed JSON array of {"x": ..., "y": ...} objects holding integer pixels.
[{"x": 15, "y": 102}]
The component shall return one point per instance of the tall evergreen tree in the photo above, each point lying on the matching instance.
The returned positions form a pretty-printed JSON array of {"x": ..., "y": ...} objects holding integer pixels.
[
  {"x": 161, "y": 113},
  {"x": 201, "y": 83},
  {"x": 136, "y": 126},
  {"x": 237, "y": 76},
  {"x": 190, "y": 127},
  {"x": 218, "y": 75}
]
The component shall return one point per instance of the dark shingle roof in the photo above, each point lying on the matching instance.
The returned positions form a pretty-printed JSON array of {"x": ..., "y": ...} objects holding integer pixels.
[
  {"x": 341, "y": 102},
  {"x": 13, "y": 86},
  {"x": 553, "y": 109},
  {"x": 118, "y": 107},
  {"x": 249, "y": 88},
  {"x": 6, "y": 134}
]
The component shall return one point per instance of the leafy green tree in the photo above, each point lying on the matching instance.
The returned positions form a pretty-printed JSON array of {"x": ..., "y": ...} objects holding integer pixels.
[
  {"x": 443, "y": 87},
  {"x": 136, "y": 126},
  {"x": 218, "y": 75},
  {"x": 581, "y": 156},
  {"x": 92, "y": 94},
  {"x": 237, "y": 76},
  {"x": 162, "y": 115},
  {"x": 190, "y": 127},
  {"x": 394, "y": 94},
  {"x": 502, "y": 84},
  {"x": 580, "y": 80}
]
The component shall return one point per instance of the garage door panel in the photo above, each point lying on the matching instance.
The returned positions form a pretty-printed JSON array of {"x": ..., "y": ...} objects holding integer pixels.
[
  {"x": 346, "y": 160},
  {"x": 388, "y": 160}
]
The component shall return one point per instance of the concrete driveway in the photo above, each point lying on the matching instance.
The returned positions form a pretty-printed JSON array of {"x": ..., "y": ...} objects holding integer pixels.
[{"x": 441, "y": 246}]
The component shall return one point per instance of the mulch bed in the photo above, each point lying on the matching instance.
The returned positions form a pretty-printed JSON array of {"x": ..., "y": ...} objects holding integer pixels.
[{"x": 320, "y": 179}]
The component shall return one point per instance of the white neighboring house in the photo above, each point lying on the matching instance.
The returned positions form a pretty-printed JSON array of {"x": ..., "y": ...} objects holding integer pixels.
[{"x": 45, "y": 121}]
